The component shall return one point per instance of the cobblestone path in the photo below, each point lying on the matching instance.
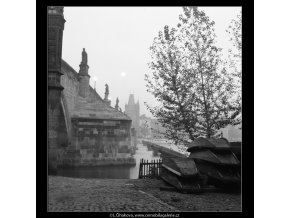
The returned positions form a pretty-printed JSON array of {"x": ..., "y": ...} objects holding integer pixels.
[
  {"x": 96, "y": 195},
  {"x": 207, "y": 201}
]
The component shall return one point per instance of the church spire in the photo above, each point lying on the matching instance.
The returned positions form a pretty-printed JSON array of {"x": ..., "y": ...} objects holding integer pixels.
[{"x": 131, "y": 100}]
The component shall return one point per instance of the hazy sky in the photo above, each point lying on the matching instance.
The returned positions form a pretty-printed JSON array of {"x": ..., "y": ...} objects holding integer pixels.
[{"x": 117, "y": 41}]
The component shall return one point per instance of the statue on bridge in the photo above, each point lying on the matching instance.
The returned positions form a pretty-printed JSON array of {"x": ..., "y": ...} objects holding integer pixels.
[
  {"x": 117, "y": 104},
  {"x": 106, "y": 92},
  {"x": 84, "y": 56}
]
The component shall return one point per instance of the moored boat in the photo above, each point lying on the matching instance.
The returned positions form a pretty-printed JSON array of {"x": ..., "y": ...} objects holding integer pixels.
[
  {"x": 182, "y": 173},
  {"x": 215, "y": 159}
]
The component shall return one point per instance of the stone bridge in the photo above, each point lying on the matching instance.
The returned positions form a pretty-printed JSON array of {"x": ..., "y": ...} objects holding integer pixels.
[{"x": 78, "y": 118}]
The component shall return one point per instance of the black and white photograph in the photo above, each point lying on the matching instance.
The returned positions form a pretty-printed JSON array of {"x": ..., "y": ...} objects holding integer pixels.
[{"x": 144, "y": 109}]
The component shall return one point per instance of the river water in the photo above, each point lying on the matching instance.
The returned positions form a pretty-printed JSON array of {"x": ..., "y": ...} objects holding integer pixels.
[{"x": 112, "y": 172}]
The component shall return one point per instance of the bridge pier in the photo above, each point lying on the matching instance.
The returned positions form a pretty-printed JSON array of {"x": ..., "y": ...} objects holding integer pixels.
[
  {"x": 52, "y": 162},
  {"x": 57, "y": 137}
]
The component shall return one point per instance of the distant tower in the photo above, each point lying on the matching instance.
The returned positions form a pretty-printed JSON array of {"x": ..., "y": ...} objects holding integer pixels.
[
  {"x": 84, "y": 76},
  {"x": 133, "y": 111}
]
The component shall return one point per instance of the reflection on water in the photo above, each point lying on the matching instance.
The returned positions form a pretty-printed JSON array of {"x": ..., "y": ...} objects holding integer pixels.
[
  {"x": 112, "y": 172},
  {"x": 108, "y": 172}
]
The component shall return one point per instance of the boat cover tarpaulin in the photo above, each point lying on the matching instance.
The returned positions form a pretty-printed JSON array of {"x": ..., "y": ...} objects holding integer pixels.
[
  {"x": 208, "y": 143},
  {"x": 180, "y": 166},
  {"x": 224, "y": 174},
  {"x": 217, "y": 156}
]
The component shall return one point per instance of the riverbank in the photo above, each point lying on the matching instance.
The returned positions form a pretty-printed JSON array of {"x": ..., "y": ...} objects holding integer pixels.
[{"x": 121, "y": 195}]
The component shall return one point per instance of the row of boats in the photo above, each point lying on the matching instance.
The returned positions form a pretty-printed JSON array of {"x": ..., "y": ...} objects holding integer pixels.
[{"x": 211, "y": 163}]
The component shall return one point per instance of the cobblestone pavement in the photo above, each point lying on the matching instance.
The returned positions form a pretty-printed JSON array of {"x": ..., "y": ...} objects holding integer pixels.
[
  {"x": 96, "y": 195},
  {"x": 207, "y": 201},
  {"x": 124, "y": 195}
]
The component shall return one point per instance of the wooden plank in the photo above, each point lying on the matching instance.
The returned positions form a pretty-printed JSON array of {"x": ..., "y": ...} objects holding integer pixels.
[
  {"x": 144, "y": 169},
  {"x": 141, "y": 165},
  {"x": 154, "y": 165},
  {"x": 140, "y": 170},
  {"x": 159, "y": 167}
]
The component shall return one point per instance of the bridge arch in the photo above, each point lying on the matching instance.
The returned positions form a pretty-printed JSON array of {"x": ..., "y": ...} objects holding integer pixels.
[{"x": 66, "y": 116}]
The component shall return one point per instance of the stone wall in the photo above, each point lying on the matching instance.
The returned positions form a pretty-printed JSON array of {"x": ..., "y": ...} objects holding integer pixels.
[
  {"x": 91, "y": 142},
  {"x": 57, "y": 130},
  {"x": 69, "y": 95},
  {"x": 89, "y": 157},
  {"x": 70, "y": 82},
  {"x": 84, "y": 86},
  {"x": 105, "y": 136}
]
